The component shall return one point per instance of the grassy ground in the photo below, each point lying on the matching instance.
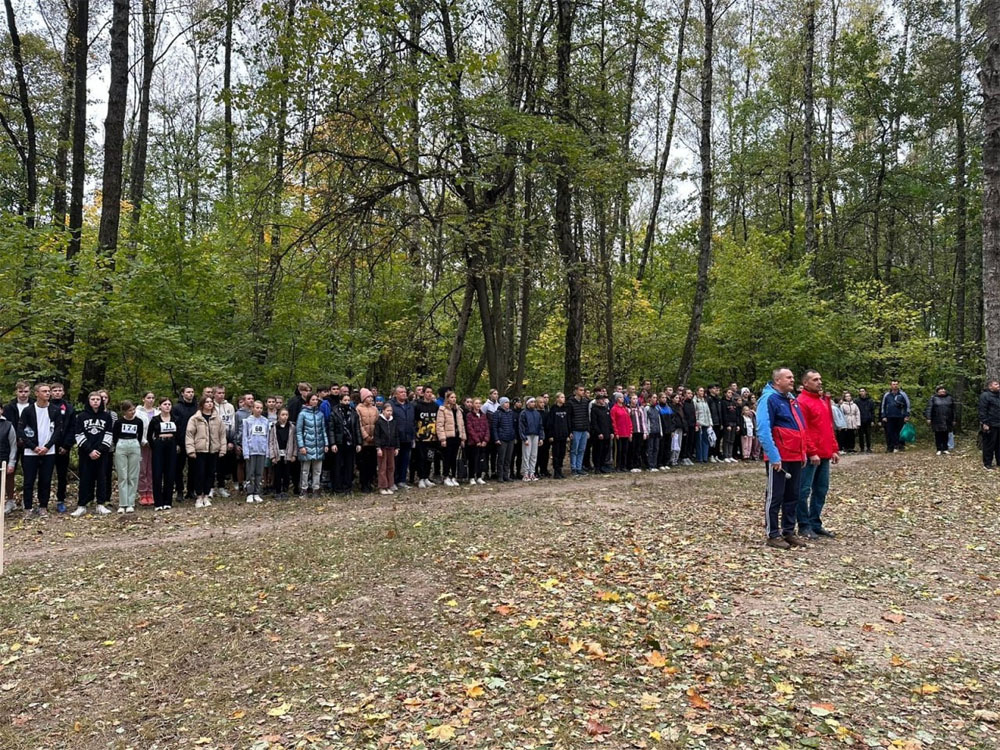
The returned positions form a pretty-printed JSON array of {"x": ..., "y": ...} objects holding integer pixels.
[{"x": 624, "y": 612}]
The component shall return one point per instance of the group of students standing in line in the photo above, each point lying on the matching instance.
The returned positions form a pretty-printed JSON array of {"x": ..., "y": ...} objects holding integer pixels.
[{"x": 166, "y": 451}]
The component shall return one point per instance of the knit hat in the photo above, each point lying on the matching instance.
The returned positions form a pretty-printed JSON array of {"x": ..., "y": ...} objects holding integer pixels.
[
  {"x": 503, "y": 400},
  {"x": 365, "y": 393}
]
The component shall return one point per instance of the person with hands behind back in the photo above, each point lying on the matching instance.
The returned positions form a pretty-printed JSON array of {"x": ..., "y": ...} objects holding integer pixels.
[{"x": 822, "y": 450}]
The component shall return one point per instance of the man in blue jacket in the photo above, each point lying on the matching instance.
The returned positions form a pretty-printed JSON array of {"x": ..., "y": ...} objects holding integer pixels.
[
  {"x": 781, "y": 429},
  {"x": 894, "y": 412},
  {"x": 402, "y": 415}
]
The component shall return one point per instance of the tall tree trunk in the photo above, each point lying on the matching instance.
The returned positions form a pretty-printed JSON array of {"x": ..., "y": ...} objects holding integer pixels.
[
  {"x": 705, "y": 228},
  {"x": 27, "y": 151},
  {"x": 623, "y": 202},
  {"x": 604, "y": 253},
  {"x": 82, "y": 18},
  {"x": 95, "y": 368},
  {"x": 527, "y": 258},
  {"x": 137, "y": 178},
  {"x": 989, "y": 76},
  {"x": 61, "y": 166},
  {"x": 808, "y": 100},
  {"x": 79, "y": 20},
  {"x": 961, "y": 211},
  {"x": 661, "y": 168},
  {"x": 414, "y": 25},
  {"x": 227, "y": 101},
  {"x": 461, "y": 329},
  {"x": 114, "y": 135},
  {"x": 568, "y": 249},
  {"x": 828, "y": 183}
]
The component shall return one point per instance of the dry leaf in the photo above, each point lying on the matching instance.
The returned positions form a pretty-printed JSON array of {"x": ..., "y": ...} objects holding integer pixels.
[
  {"x": 441, "y": 733},
  {"x": 821, "y": 709},
  {"x": 696, "y": 701},
  {"x": 595, "y": 727},
  {"x": 656, "y": 659},
  {"x": 280, "y": 710}
]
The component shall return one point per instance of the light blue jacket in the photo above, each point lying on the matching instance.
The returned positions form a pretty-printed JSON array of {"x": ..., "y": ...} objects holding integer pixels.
[{"x": 254, "y": 438}]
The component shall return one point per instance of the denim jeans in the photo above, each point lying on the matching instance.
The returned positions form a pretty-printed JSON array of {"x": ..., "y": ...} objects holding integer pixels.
[
  {"x": 577, "y": 448},
  {"x": 702, "y": 446},
  {"x": 813, "y": 486}
]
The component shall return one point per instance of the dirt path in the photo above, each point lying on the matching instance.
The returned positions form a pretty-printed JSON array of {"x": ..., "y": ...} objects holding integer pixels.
[{"x": 229, "y": 520}]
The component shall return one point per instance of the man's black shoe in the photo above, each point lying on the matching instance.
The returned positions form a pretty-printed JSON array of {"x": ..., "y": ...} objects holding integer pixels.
[
  {"x": 809, "y": 534},
  {"x": 824, "y": 532}
]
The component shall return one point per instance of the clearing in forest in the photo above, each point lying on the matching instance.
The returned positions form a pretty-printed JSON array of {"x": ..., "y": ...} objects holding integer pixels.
[{"x": 628, "y": 611}]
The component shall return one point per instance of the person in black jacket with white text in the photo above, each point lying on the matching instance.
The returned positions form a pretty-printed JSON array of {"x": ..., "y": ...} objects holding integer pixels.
[
  {"x": 41, "y": 432},
  {"x": 557, "y": 431},
  {"x": 93, "y": 441}
]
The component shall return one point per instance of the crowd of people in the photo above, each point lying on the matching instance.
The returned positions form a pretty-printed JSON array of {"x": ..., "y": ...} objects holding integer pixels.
[{"x": 165, "y": 451}]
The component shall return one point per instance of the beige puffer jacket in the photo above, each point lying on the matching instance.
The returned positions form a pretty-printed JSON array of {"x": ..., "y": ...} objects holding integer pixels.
[
  {"x": 450, "y": 423},
  {"x": 205, "y": 434}
]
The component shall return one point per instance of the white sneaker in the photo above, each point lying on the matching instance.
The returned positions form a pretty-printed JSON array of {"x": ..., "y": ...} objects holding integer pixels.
[
  {"x": 664, "y": 468},
  {"x": 947, "y": 453},
  {"x": 121, "y": 510},
  {"x": 383, "y": 492},
  {"x": 430, "y": 483},
  {"x": 402, "y": 486},
  {"x": 939, "y": 453},
  {"x": 130, "y": 509},
  {"x": 102, "y": 510},
  {"x": 206, "y": 503},
  {"x": 199, "y": 503},
  {"x": 394, "y": 488},
  {"x": 481, "y": 480},
  {"x": 223, "y": 492},
  {"x": 654, "y": 469},
  {"x": 81, "y": 510},
  {"x": 8, "y": 507},
  {"x": 258, "y": 499},
  {"x": 636, "y": 471}
]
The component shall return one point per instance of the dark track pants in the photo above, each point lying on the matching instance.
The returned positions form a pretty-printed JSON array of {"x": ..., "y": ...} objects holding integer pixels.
[{"x": 781, "y": 497}]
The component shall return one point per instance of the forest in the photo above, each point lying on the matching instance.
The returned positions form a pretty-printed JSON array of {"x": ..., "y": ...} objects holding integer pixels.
[{"x": 521, "y": 194}]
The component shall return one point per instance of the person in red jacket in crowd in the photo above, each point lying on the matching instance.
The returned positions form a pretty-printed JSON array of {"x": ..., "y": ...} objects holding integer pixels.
[
  {"x": 621, "y": 423},
  {"x": 821, "y": 451}
]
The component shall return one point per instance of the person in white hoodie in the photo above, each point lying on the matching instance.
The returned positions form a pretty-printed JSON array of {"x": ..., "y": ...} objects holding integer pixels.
[{"x": 255, "y": 430}]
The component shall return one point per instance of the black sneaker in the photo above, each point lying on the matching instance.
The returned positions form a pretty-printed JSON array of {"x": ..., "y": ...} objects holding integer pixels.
[
  {"x": 809, "y": 534},
  {"x": 825, "y": 532}
]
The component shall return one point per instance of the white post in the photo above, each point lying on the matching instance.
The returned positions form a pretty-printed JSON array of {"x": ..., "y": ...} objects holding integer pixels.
[{"x": 3, "y": 502}]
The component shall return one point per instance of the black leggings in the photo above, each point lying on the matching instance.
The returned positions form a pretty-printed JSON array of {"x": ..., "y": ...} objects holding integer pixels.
[
  {"x": 164, "y": 470},
  {"x": 204, "y": 473},
  {"x": 474, "y": 458},
  {"x": 281, "y": 471},
  {"x": 451, "y": 447}
]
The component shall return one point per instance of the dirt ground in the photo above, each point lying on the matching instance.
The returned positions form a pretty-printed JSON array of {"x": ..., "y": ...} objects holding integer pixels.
[{"x": 623, "y": 611}]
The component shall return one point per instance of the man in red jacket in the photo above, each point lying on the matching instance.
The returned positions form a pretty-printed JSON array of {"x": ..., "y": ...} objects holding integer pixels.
[{"x": 821, "y": 451}]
